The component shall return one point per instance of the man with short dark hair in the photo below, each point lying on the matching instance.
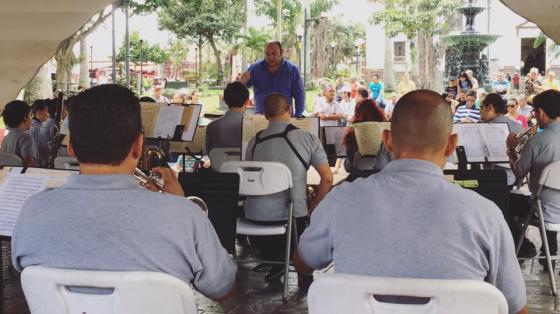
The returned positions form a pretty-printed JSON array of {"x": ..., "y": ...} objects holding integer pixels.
[
  {"x": 383, "y": 225},
  {"x": 539, "y": 151},
  {"x": 361, "y": 94},
  {"x": 492, "y": 110},
  {"x": 274, "y": 74},
  {"x": 298, "y": 150},
  {"x": 226, "y": 131},
  {"x": 102, "y": 219},
  {"x": 377, "y": 90},
  {"x": 18, "y": 120}
]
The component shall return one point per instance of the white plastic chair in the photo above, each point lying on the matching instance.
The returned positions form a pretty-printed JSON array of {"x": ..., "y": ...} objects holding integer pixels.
[
  {"x": 259, "y": 178},
  {"x": 550, "y": 178},
  {"x": 46, "y": 291},
  {"x": 218, "y": 156},
  {"x": 342, "y": 293},
  {"x": 68, "y": 163},
  {"x": 10, "y": 160}
]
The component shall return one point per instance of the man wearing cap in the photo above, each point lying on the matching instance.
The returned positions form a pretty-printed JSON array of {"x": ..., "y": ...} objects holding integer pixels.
[
  {"x": 274, "y": 74},
  {"x": 346, "y": 104},
  {"x": 158, "y": 96}
]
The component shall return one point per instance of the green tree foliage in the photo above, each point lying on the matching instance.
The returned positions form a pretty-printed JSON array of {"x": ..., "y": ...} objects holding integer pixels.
[
  {"x": 212, "y": 20},
  {"x": 178, "y": 52},
  {"x": 150, "y": 53},
  {"x": 344, "y": 37},
  {"x": 254, "y": 40},
  {"x": 420, "y": 21},
  {"x": 291, "y": 15}
]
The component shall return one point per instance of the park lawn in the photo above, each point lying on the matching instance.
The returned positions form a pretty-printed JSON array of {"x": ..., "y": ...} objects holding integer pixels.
[{"x": 211, "y": 99}]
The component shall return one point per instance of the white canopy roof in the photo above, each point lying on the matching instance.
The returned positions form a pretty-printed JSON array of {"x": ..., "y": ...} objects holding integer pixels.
[
  {"x": 544, "y": 13},
  {"x": 30, "y": 32}
]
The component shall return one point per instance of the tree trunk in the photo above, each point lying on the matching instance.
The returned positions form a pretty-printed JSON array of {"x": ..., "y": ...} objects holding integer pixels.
[
  {"x": 65, "y": 61},
  {"x": 427, "y": 61},
  {"x": 218, "y": 60},
  {"x": 319, "y": 58},
  {"x": 388, "y": 71},
  {"x": 84, "y": 70},
  {"x": 40, "y": 86}
]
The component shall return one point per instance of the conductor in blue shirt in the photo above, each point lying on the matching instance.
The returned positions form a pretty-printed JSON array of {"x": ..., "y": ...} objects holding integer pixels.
[{"x": 274, "y": 74}]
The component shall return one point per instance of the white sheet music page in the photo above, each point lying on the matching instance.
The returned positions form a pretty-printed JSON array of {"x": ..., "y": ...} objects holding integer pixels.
[
  {"x": 15, "y": 190},
  {"x": 496, "y": 136},
  {"x": 471, "y": 138},
  {"x": 168, "y": 119}
]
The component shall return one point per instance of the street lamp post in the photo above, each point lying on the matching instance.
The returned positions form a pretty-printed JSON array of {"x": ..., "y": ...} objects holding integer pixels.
[
  {"x": 358, "y": 43},
  {"x": 92, "y": 73},
  {"x": 127, "y": 44},
  {"x": 299, "y": 34},
  {"x": 140, "y": 87},
  {"x": 196, "y": 63},
  {"x": 333, "y": 66},
  {"x": 114, "y": 47}
]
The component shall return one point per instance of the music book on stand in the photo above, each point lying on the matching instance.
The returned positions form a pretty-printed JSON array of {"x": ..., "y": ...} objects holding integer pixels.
[
  {"x": 173, "y": 122},
  {"x": 369, "y": 136},
  {"x": 483, "y": 142}
]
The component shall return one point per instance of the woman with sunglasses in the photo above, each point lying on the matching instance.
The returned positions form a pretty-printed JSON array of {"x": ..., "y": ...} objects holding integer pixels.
[{"x": 512, "y": 113}]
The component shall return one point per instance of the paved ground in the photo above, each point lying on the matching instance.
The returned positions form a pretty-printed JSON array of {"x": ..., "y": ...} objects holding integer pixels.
[{"x": 256, "y": 296}]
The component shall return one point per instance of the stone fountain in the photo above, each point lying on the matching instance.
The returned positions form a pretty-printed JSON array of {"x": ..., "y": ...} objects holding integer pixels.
[{"x": 465, "y": 48}]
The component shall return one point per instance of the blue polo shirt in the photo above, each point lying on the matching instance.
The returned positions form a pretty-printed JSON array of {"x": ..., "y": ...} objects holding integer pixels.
[{"x": 286, "y": 81}]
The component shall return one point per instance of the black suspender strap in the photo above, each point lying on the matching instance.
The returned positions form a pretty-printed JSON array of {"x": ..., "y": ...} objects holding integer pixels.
[{"x": 284, "y": 135}]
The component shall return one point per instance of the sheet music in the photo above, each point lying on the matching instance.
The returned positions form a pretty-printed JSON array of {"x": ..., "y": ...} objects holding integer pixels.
[
  {"x": 149, "y": 113},
  {"x": 167, "y": 120},
  {"x": 15, "y": 190},
  {"x": 369, "y": 136},
  {"x": 252, "y": 124},
  {"x": 190, "y": 121},
  {"x": 496, "y": 135},
  {"x": 483, "y": 141}
]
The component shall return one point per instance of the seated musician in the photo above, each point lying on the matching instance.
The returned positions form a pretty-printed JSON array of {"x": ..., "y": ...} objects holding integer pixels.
[
  {"x": 103, "y": 220},
  {"x": 365, "y": 111},
  {"x": 18, "y": 120},
  {"x": 226, "y": 131},
  {"x": 297, "y": 149},
  {"x": 539, "y": 151},
  {"x": 408, "y": 220},
  {"x": 39, "y": 131}
]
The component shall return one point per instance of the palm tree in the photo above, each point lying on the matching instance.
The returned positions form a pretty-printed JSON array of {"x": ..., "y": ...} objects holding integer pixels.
[{"x": 254, "y": 40}]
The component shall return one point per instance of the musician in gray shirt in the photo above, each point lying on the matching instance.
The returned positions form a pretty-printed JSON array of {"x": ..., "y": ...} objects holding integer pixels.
[
  {"x": 409, "y": 220},
  {"x": 103, "y": 220},
  {"x": 539, "y": 151},
  {"x": 226, "y": 131}
]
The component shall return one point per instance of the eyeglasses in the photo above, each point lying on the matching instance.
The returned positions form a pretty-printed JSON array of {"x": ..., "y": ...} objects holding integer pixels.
[{"x": 511, "y": 106}]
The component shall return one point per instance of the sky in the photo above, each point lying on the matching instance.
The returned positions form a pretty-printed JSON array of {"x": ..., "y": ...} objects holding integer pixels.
[{"x": 348, "y": 11}]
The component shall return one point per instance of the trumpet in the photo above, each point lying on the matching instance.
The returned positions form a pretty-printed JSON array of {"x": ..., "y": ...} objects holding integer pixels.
[{"x": 144, "y": 179}]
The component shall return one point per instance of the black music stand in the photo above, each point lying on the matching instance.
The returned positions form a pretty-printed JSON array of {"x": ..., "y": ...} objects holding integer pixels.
[{"x": 220, "y": 192}]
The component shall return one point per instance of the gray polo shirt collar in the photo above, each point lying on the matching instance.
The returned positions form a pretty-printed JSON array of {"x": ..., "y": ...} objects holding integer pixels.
[
  {"x": 101, "y": 182},
  {"x": 234, "y": 114},
  {"x": 277, "y": 126},
  {"x": 554, "y": 126},
  {"x": 416, "y": 165},
  {"x": 16, "y": 130}
]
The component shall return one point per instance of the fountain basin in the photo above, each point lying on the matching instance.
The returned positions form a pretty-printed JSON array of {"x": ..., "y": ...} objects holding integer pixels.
[{"x": 472, "y": 40}]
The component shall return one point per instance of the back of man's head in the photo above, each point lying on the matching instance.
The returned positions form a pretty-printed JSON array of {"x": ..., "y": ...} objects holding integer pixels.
[
  {"x": 421, "y": 122},
  {"x": 549, "y": 102},
  {"x": 39, "y": 105},
  {"x": 362, "y": 92},
  {"x": 15, "y": 113},
  {"x": 275, "y": 105},
  {"x": 236, "y": 94},
  {"x": 496, "y": 101},
  {"x": 104, "y": 121}
]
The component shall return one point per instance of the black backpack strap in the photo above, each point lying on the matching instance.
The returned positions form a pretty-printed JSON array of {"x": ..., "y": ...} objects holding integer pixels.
[{"x": 284, "y": 135}]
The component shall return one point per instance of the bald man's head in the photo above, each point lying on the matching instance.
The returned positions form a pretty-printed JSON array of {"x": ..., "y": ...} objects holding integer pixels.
[{"x": 421, "y": 122}]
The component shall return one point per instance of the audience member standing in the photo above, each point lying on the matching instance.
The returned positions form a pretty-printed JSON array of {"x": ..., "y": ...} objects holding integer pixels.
[
  {"x": 377, "y": 90},
  {"x": 274, "y": 74},
  {"x": 406, "y": 84}
]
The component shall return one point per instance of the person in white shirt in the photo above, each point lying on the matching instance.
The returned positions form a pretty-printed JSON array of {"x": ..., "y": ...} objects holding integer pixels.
[
  {"x": 328, "y": 110},
  {"x": 390, "y": 105},
  {"x": 347, "y": 105},
  {"x": 158, "y": 97}
]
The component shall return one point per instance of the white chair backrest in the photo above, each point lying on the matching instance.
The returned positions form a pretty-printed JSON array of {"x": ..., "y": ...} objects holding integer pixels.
[
  {"x": 11, "y": 160},
  {"x": 220, "y": 155},
  {"x": 260, "y": 177},
  {"x": 133, "y": 292},
  {"x": 341, "y": 293},
  {"x": 550, "y": 176}
]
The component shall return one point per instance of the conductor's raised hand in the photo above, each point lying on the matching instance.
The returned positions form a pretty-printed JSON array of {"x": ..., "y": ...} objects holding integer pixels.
[
  {"x": 170, "y": 182},
  {"x": 245, "y": 77}
]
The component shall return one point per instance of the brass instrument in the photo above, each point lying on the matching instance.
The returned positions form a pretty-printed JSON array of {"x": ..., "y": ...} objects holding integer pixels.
[
  {"x": 153, "y": 157},
  {"x": 524, "y": 137}
]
